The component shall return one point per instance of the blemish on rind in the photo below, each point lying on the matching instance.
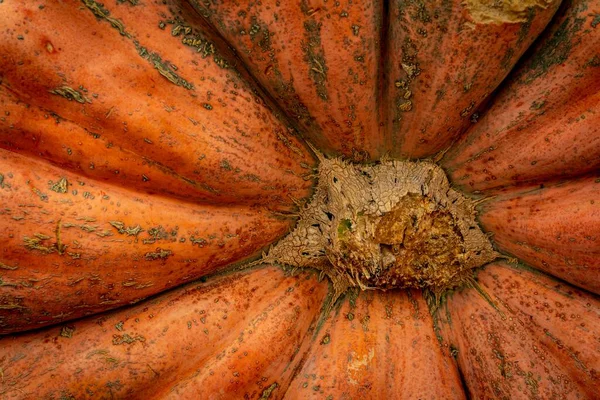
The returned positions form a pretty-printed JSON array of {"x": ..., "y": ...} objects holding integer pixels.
[
  {"x": 8, "y": 267},
  {"x": 100, "y": 12},
  {"x": 70, "y": 94},
  {"x": 159, "y": 254},
  {"x": 503, "y": 12},
  {"x": 266, "y": 394},
  {"x": 67, "y": 331},
  {"x": 127, "y": 339},
  {"x": 61, "y": 186},
  {"x": 39, "y": 243},
  {"x": 162, "y": 67},
  {"x": 555, "y": 50},
  {"x": 136, "y": 285},
  {"x": 127, "y": 230},
  {"x": 158, "y": 233},
  {"x": 411, "y": 69},
  {"x": 6, "y": 284},
  {"x": 201, "y": 242},
  {"x": 314, "y": 56}
]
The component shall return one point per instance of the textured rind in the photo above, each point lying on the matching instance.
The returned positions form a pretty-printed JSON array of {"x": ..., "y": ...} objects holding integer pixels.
[
  {"x": 543, "y": 123},
  {"x": 88, "y": 246},
  {"x": 442, "y": 64},
  {"x": 117, "y": 98},
  {"x": 555, "y": 229},
  {"x": 380, "y": 346},
  {"x": 535, "y": 338},
  {"x": 319, "y": 60},
  {"x": 202, "y": 339},
  {"x": 540, "y": 340},
  {"x": 150, "y": 138}
]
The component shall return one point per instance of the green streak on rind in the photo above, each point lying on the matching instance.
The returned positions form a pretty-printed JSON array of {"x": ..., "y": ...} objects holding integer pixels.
[{"x": 162, "y": 67}]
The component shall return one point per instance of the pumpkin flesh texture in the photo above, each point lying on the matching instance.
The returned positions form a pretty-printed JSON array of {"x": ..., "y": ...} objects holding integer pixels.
[{"x": 134, "y": 342}]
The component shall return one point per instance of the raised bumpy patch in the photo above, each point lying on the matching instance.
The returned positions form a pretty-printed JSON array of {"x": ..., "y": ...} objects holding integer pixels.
[{"x": 395, "y": 224}]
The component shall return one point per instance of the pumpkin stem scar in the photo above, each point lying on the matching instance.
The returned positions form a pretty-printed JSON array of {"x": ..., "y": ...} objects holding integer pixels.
[{"x": 389, "y": 225}]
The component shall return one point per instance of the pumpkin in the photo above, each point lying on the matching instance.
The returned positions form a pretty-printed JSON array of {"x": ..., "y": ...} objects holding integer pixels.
[{"x": 151, "y": 151}]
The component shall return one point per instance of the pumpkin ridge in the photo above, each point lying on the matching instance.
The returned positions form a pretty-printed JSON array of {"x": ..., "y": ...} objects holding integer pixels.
[{"x": 113, "y": 116}]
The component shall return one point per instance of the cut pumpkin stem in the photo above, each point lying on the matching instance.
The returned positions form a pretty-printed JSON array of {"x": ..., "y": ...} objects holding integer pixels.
[{"x": 394, "y": 224}]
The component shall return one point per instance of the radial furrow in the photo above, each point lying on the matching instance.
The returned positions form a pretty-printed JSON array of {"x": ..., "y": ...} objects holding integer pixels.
[
  {"x": 72, "y": 247},
  {"x": 319, "y": 60},
  {"x": 445, "y": 59},
  {"x": 172, "y": 344},
  {"x": 544, "y": 123},
  {"x": 138, "y": 94}
]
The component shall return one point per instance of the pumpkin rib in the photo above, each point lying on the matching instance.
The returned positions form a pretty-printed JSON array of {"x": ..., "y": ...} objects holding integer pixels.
[
  {"x": 195, "y": 167},
  {"x": 38, "y": 134},
  {"x": 290, "y": 49},
  {"x": 72, "y": 246},
  {"x": 523, "y": 345},
  {"x": 543, "y": 124},
  {"x": 135, "y": 357},
  {"x": 213, "y": 134},
  {"x": 285, "y": 324},
  {"x": 437, "y": 75},
  {"x": 552, "y": 228},
  {"x": 382, "y": 340}
]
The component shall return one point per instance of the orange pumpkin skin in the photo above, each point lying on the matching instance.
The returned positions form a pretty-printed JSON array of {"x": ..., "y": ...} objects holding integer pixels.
[
  {"x": 149, "y": 132},
  {"x": 210, "y": 338},
  {"x": 337, "y": 103},
  {"x": 556, "y": 228},
  {"x": 150, "y": 219},
  {"x": 347, "y": 100},
  {"x": 443, "y": 100},
  {"x": 386, "y": 342},
  {"x": 94, "y": 259},
  {"x": 146, "y": 143},
  {"x": 543, "y": 124},
  {"x": 533, "y": 345},
  {"x": 198, "y": 339}
]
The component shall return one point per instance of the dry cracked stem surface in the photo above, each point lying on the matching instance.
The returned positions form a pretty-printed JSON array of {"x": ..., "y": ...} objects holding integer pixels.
[
  {"x": 394, "y": 224},
  {"x": 145, "y": 144}
]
